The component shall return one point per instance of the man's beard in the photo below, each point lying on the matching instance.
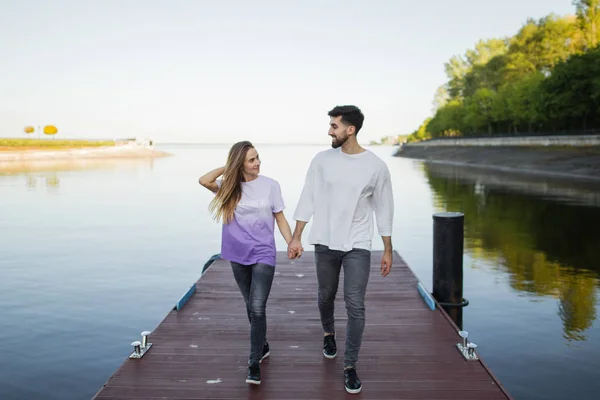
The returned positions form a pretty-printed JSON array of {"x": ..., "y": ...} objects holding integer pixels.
[{"x": 335, "y": 143}]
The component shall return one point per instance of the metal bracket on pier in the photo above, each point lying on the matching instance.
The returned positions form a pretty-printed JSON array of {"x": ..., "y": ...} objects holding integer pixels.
[
  {"x": 141, "y": 348},
  {"x": 466, "y": 348}
]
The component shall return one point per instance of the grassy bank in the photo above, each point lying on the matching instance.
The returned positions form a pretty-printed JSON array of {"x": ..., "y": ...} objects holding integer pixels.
[{"x": 50, "y": 144}]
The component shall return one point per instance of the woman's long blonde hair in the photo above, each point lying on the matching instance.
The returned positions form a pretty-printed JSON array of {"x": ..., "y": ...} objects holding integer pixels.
[{"x": 230, "y": 192}]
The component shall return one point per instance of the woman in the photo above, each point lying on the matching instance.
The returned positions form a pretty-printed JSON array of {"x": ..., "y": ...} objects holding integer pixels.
[{"x": 248, "y": 204}]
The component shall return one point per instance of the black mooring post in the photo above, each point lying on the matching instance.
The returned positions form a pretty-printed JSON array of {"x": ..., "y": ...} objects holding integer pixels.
[{"x": 448, "y": 241}]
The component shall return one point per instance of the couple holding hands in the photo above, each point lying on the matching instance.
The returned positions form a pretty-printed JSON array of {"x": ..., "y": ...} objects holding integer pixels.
[{"x": 344, "y": 187}]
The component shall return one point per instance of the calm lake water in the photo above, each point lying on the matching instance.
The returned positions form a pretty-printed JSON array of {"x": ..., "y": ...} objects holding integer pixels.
[{"x": 94, "y": 252}]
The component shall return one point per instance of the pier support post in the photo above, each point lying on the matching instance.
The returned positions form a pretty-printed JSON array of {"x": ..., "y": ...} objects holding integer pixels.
[{"x": 448, "y": 242}]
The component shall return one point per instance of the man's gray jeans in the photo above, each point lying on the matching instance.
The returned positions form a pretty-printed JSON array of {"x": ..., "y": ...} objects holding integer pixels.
[{"x": 357, "y": 265}]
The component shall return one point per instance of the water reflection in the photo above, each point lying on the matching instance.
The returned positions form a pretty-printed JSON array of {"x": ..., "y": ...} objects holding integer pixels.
[
  {"x": 47, "y": 173},
  {"x": 543, "y": 234},
  {"x": 49, "y": 180}
]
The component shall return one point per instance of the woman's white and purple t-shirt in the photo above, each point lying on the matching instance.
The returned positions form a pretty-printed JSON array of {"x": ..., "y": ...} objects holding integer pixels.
[{"x": 249, "y": 238}]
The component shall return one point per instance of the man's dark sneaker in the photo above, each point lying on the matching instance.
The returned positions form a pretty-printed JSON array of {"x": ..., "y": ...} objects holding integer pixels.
[
  {"x": 329, "y": 347},
  {"x": 253, "y": 374},
  {"x": 266, "y": 351},
  {"x": 351, "y": 381}
]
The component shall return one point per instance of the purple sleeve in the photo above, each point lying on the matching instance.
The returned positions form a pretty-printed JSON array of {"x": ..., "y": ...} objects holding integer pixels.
[{"x": 277, "y": 203}]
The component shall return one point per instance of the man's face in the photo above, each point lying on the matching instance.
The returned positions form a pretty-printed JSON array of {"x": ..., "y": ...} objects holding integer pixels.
[{"x": 338, "y": 131}]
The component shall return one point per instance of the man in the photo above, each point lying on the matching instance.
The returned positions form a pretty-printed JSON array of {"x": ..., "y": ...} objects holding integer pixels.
[{"x": 344, "y": 186}]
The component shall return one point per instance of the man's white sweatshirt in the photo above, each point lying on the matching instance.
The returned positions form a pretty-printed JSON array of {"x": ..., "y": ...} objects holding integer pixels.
[{"x": 341, "y": 193}]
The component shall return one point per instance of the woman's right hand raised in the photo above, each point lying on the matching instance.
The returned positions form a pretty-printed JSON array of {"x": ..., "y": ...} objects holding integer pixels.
[{"x": 208, "y": 180}]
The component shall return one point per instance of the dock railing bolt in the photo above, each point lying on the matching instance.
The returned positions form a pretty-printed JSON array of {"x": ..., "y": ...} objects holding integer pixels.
[
  {"x": 472, "y": 347},
  {"x": 145, "y": 335},
  {"x": 448, "y": 242},
  {"x": 136, "y": 347},
  {"x": 464, "y": 335}
]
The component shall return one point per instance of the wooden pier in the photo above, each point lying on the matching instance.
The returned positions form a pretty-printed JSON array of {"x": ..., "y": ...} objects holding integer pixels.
[{"x": 201, "y": 350}]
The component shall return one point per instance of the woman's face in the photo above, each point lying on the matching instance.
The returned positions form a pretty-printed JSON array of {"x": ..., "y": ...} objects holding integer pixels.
[{"x": 252, "y": 163}]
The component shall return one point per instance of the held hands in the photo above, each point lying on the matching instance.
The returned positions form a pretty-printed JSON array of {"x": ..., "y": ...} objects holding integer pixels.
[
  {"x": 295, "y": 249},
  {"x": 386, "y": 263}
]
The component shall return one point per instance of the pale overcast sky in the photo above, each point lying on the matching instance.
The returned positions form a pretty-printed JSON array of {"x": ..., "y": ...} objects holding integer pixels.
[{"x": 222, "y": 71}]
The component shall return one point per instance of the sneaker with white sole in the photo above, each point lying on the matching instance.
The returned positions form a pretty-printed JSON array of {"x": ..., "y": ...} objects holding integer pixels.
[
  {"x": 253, "y": 376},
  {"x": 351, "y": 381},
  {"x": 266, "y": 352},
  {"x": 329, "y": 346}
]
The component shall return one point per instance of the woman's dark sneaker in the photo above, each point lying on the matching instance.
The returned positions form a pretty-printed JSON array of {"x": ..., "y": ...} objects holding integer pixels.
[
  {"x": 253, "y": 374},
  {"x": 329, "y": 347}
]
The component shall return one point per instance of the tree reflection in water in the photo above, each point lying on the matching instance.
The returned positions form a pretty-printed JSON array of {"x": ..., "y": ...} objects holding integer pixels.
[{"x": 544, "y": 235}]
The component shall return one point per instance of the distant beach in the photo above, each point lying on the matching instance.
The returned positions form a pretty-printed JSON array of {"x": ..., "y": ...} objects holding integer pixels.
[{"x": 72, "y": 149}]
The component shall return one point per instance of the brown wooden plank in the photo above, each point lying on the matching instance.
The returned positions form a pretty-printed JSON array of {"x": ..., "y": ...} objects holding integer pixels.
[
  {"x": 381, "y": 368},
  {"x": 304, "y": 391},
  {"x": 199, "y": 383},
  {"x": 408, "y": 351}
]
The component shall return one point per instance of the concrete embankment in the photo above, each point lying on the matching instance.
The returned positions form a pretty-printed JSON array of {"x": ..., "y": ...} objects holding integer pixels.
[{"x": 568, "y": 157}]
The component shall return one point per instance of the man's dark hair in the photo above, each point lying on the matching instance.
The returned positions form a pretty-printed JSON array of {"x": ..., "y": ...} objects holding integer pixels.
[{"x": 351, "y": 115}]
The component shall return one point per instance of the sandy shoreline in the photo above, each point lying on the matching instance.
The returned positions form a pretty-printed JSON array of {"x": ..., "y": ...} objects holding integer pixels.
[{"x": 119, "y": 151}]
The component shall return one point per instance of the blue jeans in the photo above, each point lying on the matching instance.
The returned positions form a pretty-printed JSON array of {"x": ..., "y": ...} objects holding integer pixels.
[
  {"x": 357, "y": 266},
  {"x": 255, "y": 283}
]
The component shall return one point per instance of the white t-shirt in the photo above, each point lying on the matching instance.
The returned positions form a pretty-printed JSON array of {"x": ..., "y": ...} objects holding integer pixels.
[{"x": 341, "y": 193}]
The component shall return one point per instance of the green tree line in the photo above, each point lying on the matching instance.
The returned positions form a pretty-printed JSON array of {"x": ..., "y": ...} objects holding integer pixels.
[{"x": 545, "y": 78}]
